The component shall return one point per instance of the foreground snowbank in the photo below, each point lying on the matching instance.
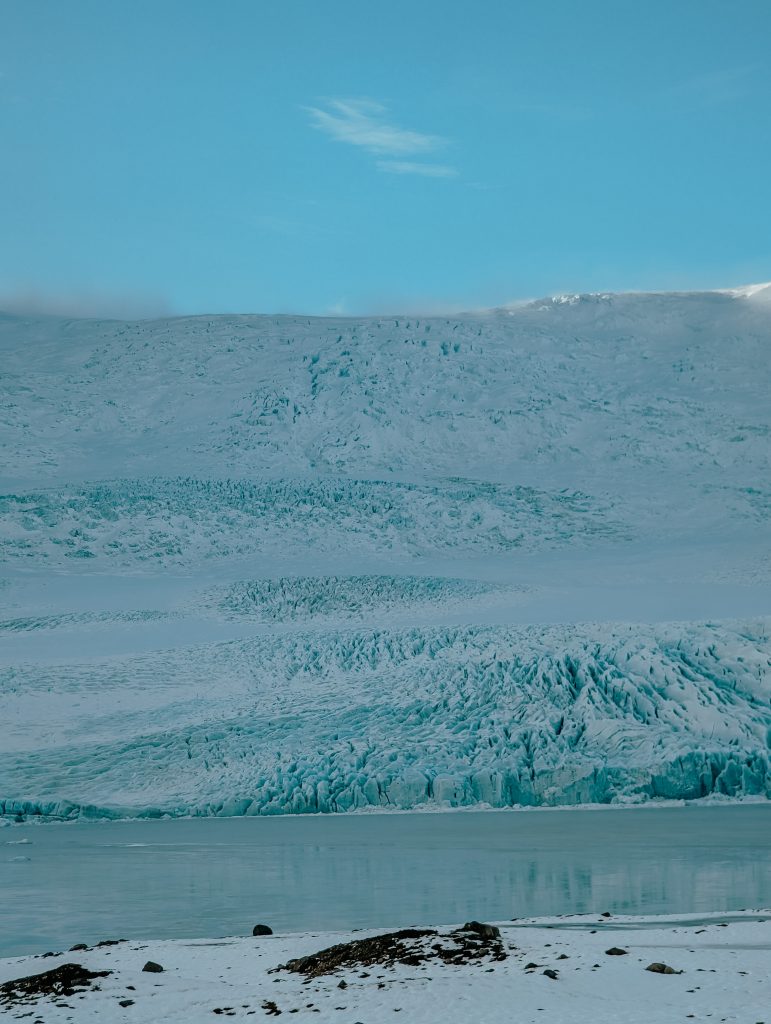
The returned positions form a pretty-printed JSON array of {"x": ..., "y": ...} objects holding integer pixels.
[{"x": 723, "y": 959}]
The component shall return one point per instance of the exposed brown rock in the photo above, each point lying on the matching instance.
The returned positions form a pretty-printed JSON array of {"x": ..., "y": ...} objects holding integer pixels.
[{"x": 65, "y": 980}]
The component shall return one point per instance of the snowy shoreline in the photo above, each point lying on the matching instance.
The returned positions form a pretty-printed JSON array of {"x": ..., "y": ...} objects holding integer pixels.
[{"x": 559, "y": 966}]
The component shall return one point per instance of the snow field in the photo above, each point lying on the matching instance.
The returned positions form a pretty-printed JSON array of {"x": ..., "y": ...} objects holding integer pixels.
[
  {"x": 724, "y": 963},
  {"x": 601, "y": 387}
]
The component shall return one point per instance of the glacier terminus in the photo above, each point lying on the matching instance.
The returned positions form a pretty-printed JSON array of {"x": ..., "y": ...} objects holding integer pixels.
[{"x": 278, "y": 564}]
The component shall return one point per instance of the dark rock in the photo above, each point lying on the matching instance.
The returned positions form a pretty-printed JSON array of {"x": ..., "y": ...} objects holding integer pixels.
[
  {"x": 109, "y": 942},
  {"x": 551, "y": 974},
  {"x": 125, "y": 1002},
  {"x": 152, "y": 967},
  {"x": 77, "y": 947},
  {"x": 487, "y": 931},
  {"x": 658, "y": 968},
  {"x": 342, "y": 983},
  {"x": 531, "y": 966},
  {"x": 270, "y": 1008},
  {"x": 384, "y": 949},
  {"x": 262, "y": 929},
  {"x": 606, "y": 913},
  {"x": 61, "y": 981},
  {"x": 412, "y": 947},
  {"x": 616, "y": 951}
]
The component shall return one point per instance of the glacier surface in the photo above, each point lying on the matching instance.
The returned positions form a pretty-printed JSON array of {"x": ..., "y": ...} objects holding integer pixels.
[{"x": 257, "y": 565}]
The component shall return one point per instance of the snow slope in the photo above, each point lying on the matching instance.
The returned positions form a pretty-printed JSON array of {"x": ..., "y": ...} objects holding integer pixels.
[
  {"x": 263, "y": 564},
  {"x": 721, "y": 965}
]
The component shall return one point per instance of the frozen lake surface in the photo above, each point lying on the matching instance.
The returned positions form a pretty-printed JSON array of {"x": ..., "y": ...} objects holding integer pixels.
[{"x": 68, "y": 883}]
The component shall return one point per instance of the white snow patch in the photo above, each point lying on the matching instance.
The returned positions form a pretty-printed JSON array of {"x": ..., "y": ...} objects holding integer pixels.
[{"x": 723, "y": 960}]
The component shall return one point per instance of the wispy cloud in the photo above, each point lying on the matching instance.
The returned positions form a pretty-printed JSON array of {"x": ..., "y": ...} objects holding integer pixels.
[
  {"x": 411, "y": 167},
  {"x": 30, "y": 300},
  {"x": 364, "y": 123}
]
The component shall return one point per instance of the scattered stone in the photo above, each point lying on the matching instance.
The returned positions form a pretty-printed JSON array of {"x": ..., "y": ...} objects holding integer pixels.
[
  {"x": 551, "y": 974},
  {"x": 342, "y": 983},
  {"x": 108, "y": 942},
  {"x": 657, "y": 968},
  {"x": 606, "y": 913},
  {"x": 65, "y": 980},
  {"x": 531, "y": 966},
  {"x": 563, "y": 956},
  {"x": 616, "y": 951},
  {"x": 78, "y": 947},
  {"x": 152, "y": 967},
  {"x": 262, "y": 929},
  {"x": 125, "y": 1002},
  {"x": 271, "y": 1009}
]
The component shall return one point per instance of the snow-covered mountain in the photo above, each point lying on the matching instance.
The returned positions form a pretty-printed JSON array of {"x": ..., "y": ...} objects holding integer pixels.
[{"x": 257, "y": 564}]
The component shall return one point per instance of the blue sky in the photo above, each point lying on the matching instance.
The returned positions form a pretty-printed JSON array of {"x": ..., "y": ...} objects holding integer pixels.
[{"x": 311, "y": 156}]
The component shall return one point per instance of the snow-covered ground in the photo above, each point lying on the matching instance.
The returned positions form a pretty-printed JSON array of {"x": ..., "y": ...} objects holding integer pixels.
[
  {"x": 263, "y": 564},
  {"x": 720, "y": 965}
]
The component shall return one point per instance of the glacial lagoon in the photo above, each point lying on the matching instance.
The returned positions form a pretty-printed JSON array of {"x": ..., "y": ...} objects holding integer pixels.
[{"x": 84, "y": 882}]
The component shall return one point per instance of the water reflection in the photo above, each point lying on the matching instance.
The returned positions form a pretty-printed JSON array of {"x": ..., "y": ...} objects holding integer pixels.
[{"x": 213, "y": 877}]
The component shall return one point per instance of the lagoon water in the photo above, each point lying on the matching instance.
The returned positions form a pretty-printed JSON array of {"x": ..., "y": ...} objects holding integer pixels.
[{"x": 83, "y": 882}]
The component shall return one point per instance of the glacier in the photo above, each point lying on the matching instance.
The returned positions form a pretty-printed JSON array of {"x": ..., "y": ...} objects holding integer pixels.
[{"x": 264, "y": 565}]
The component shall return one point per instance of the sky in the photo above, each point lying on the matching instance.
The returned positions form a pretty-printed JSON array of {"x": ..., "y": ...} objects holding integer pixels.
[{"x": 180, "y": 156}]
